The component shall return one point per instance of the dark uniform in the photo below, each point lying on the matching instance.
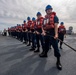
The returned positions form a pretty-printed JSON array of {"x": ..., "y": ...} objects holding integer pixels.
[
  {"x": 61, "y": 33},
  {"x": 24, "y": 27},
  {"x": 51, "y": 34},
  {"x": 39, "y": 36},
  {"x": 17, "y": 31},
  {"x": 20, "y": 32},
  {"x": 32, "y": 28},
  {"x": 29, "y": 33}
]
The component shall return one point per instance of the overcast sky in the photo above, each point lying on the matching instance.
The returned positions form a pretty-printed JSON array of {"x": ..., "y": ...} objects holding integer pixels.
[{"x": 15, "y": 11}]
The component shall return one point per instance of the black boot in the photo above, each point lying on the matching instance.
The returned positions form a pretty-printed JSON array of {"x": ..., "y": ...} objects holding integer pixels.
[
  {"x": 61, "y": 47},
  {"x": 32, "y": 49},
  {"x": 38, "y": 50},
  {"x": 28, "y": 44},
  {"x": 58, "y": 64},
  {"x": 25, "y": 42},
  {"x": 43, "y": 54},
  {"x": 50, "y": 48}
]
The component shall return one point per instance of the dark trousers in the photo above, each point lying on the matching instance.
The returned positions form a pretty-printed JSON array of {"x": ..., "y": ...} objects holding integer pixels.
[
  {"x": 33, "y": 40},
  {"x": 18, "y": 35},
  {"x": 29, "y": 37},
  {"x": 5, "y": 33},
  {"x": 25, "y": 37},
  {"x": 21, "y": 36},
  {"x": 61, "y": 37},
  {"x": 54, "y": 44},
  {"x": 40, "y": 38}
]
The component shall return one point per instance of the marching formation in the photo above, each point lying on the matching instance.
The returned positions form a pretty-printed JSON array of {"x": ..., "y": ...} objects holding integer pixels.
[{"x": 41, "y": 32}]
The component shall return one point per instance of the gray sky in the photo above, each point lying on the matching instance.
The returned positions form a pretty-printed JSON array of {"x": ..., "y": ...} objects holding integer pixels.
[{"x": 15, "y": 11}]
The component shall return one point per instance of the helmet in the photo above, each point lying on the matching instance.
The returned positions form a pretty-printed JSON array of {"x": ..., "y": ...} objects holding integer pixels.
[
  {"x": 48, "y": 7},
  {"x": 62, "y": 23},
  {"x": 28, "y": 18},
  {"x": 33, "y": 19},
  {"x": 38, "y": 13},
  {"x": 24, "y": 21}
]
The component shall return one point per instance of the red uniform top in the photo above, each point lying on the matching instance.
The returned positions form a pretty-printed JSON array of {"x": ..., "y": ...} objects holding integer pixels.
[
  {"x": 49, "y": 21},
  {"x": 39, "y": 23},
  {"x": 12, "y": 29},
  {"x": 16, "y": 28},
  {"x": 20, "y": 27},
  {"x": 24, "y": 26},
  {"x": 29, "y": 24},
  {"x": 33, "y": 25},
  {"x": 62, "y": 29}
]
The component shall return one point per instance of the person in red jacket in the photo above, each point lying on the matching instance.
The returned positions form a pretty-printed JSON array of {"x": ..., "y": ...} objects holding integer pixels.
[
  {"x": 32, "y": 28},
  {"x": 39, "y": 37},
  {"x": 17, "y": 31},
  {"x": 24, "y": 27},
  {"x": 29, "y": 22},
  {"x": 50, "y": 31},
  {"x": 61, "y": 33},
  {"x": 20, "y": 32}
]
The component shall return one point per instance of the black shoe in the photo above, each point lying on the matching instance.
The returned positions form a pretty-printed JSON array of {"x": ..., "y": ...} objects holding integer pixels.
[
  {"x": 59, "y": 66},
  {"x": 24, "y": 42},
  {"x": 61, "y": 47},
  {"x": 37, "y": 51},
  {"x": 50, "y": 48},
  {"x": 32, "y": 49},
  {"x": 28, "y": 45},
  {"x": 21, "y": 40},
  {"x": 42, "y": 55}
]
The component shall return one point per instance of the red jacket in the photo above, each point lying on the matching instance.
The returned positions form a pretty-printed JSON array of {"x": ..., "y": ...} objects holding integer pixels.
[
  {"x": 62, "y": 29},
  {"x": 33, "y": 25},
  {"x": 39, "y": 23},
  {"x": 49, "y": 21},
  {"x": 24, "y": 26},
  {"x": 29, "y": 24}
]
